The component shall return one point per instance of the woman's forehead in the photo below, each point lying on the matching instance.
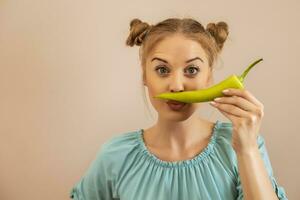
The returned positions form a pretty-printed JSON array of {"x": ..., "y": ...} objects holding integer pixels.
[{"x": 178, "y": 48}]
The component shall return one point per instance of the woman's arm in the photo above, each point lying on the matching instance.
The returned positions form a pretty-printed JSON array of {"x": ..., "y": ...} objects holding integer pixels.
[
  {"x": 246, "y": 113},
  {"x": 254, "y": 177}
]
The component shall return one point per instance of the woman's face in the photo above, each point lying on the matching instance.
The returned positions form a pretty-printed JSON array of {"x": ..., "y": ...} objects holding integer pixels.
[{"x": 176, "y": 64}]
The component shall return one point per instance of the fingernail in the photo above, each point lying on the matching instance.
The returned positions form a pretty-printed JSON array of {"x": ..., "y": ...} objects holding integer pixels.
[
  {"x": 217, "y": 99},
  {"x": 213, "y": 103},
  {"x": 225, "y": 91}
]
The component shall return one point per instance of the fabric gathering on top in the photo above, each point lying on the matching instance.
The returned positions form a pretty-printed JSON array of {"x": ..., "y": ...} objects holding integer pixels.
[{"x": 124, "y": 169}]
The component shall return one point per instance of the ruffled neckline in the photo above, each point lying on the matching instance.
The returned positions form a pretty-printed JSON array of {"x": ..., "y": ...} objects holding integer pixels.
[{"x": 183, "y": 163}]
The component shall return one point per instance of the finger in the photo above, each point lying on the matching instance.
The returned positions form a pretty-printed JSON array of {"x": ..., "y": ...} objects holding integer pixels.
[
  {"x": 243, "y": 93},
  {"x": 231, "y": 109},
  {"x": 231, "y": 117},
  {"x": 237, "y": 101}
]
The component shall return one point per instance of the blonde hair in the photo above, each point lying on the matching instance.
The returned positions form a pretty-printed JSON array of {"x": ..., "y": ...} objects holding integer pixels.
[{"x": 147, "y": 36}]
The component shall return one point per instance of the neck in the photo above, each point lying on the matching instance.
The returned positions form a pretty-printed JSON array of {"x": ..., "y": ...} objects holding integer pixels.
[{"x": 180, "y": 135}]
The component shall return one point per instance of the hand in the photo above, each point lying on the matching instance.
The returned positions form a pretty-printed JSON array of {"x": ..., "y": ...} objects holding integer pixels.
[{"x": 246, "y": 113}]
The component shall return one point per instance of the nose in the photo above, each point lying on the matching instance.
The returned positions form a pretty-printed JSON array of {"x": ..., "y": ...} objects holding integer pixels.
[{"x": 176, "y": 84}]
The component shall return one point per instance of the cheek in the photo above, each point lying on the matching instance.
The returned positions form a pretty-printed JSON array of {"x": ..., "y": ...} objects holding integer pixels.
[
  {"x": 155, "y": 88},
  {"x": 156, "y": 103},
  {"x": 152, "y": 91},
  {"x": 193, "y": 106}
]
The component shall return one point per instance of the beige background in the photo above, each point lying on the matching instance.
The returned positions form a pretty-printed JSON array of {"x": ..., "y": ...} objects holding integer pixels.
[{"x": 68, "y": 83}]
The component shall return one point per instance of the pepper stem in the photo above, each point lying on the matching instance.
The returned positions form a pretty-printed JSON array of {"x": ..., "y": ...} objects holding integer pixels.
[{"x": 243, "y": 76}]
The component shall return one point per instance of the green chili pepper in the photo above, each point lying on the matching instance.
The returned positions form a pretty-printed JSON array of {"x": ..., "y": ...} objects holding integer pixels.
[{"x": 210, "y": 93}]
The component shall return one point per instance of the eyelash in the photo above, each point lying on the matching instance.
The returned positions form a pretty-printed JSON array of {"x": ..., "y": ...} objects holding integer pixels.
[{"x": 163, "y": 66}]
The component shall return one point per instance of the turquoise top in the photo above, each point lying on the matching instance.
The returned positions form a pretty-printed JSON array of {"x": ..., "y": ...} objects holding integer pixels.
[{"x": 125, "y": 169}]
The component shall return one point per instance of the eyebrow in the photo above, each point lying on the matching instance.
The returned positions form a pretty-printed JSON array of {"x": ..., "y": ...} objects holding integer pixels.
[{"x": 190, "y": 60}]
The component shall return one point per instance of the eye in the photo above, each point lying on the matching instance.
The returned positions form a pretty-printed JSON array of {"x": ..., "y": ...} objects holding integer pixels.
[
  {"x": 161, "y": 68},
  {"x": 193, "y": 68}
]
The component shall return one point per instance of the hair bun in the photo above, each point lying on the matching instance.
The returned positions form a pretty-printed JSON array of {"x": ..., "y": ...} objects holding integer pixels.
[
  {"x": 138, "y": 31},
  {"x": 219, "y": 32}
]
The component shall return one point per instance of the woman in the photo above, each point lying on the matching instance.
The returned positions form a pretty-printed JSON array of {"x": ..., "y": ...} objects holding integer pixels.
[{"x": 183, "y": 156}]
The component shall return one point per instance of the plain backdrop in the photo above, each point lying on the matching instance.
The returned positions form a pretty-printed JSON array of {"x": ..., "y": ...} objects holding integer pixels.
[{"x": 68, "y": 83}]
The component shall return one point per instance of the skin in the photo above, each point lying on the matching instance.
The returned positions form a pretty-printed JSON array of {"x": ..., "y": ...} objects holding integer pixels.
[
  {"x": 182, "y": 135},
  {"x": 246, "y": 114},
  {"x": 177, "y": 135},
  {"x": 211, "y": 93}
]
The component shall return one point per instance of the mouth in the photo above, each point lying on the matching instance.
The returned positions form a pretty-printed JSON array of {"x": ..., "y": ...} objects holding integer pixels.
[{"x": 175, "y": 105}]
